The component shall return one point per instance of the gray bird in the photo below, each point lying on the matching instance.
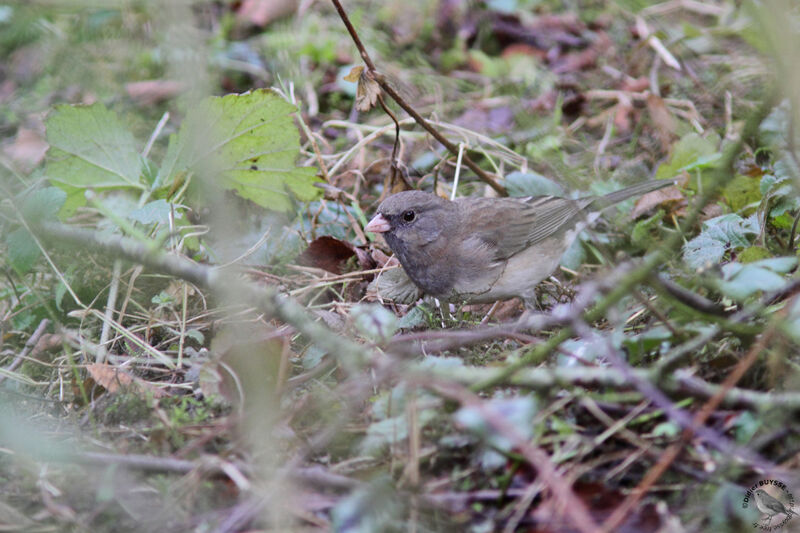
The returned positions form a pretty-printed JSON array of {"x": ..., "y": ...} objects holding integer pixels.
[
  {"x": 770, "y": 506},
  {"x": 481, "y": 250}
]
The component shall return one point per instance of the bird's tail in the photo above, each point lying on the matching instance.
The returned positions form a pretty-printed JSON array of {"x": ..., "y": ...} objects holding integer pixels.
[{"x": 636, "y": 190}]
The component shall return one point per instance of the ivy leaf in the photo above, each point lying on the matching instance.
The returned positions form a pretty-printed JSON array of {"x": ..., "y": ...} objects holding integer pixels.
[
  {"x": 248, "y": 143},
  {"x": 90, "y": 148}
]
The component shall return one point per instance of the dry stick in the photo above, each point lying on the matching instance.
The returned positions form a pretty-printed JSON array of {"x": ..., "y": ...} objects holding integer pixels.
[
  {"x": 212, "y": 465},
  {"x": 388, "y": 89},
  {"x": 394, "y": 166},
  {"x": 669, "y": 456},
  {"x": 31, "y": 342}
]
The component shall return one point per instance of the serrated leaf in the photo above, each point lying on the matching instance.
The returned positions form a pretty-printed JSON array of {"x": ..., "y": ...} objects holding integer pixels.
[
  {"x": 90, "y": 148},
  {"x": 719, "y": 235},
  {"x": 22, "y": 250},
  {"x": 247, "y": 143}
]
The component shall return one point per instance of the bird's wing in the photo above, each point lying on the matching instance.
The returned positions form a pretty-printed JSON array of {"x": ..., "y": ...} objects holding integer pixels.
[{"x": 509, "y": 225}]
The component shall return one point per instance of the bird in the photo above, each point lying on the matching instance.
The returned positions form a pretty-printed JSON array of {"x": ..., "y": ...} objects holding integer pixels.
[
  {"x": 481, "y": 250},
  {"x": 770, "y": 506}
]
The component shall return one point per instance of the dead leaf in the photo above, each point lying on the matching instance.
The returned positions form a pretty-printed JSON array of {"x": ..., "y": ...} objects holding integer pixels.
[
  {"x": 494, "y": 120},
  {"x": 669, "y": 199},
  {"x": 368, "y": 89},
  {"x": 327, "y": 253},
  {"x": 28, "y": 149},
  {"x": 262, "y": 12},
  {"x": 150, "y": 92},
  {"x": 115, "y": 380},
  {"x": 600, "y": 502},
  {"x": 662, "y": 119},
  {"x": 7, "y": 89},
  {"x": 47, "y": 342},
  {"x": 622, "y": 116}
]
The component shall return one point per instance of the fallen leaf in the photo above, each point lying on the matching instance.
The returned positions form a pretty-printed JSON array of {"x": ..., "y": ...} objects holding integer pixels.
[
  {"x": 114, "y": 380},
  {"x": 669, "y": 198},
  {"x": 28, "y": 149},
  {"x": 662, "y": 119},
  {"x": 262, "y": 12},
  {"x": 150, "y": 92},
  {"x": 327, "y": 253}
]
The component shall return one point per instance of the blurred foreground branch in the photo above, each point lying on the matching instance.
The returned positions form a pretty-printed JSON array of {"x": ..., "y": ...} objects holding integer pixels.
[{"x": 224, "y": 284}]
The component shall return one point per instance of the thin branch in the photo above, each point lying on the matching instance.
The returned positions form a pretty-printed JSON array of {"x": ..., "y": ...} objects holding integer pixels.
[{"x": 388, "y": 89}]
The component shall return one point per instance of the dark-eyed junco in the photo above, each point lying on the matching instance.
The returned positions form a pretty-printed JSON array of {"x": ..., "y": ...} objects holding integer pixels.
[{"x": 487, "y": 249}]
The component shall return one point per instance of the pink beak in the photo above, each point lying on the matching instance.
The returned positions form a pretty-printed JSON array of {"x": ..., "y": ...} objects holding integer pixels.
[{"x": 378, "y": 224}]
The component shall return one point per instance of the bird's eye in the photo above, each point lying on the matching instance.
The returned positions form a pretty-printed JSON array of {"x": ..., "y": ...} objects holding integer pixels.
[{"x": 409, "y": 216}]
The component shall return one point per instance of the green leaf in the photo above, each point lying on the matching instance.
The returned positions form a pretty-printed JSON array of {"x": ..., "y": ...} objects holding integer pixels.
[
  {"x": 22, "y": 250},
  {"x": 517, "y": 411},
  {"x": 753, "y": 253},
  {"x": 690, "y": 153},
  {"x": 741, "y": 281},
  {"x": 719, "y": 235},
  {"x": 151, "y": 213},
  {"x": 642, "y": 230},
  {"x": 531, "y": 184},
  {"x": 375, "y": 506},
  {"x": 374, "y": 321},
  {"x": 43, "y": 204},
  {"x": 742, "y": 192},
  {"x": 247, "y": 143},
  {"x": 90, "y": 148},
  {"x": 412, "y": 319}
]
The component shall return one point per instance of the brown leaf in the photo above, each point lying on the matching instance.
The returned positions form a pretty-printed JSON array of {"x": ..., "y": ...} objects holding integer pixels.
[
  {"x": 669, "y": 198},
  {"x": 662, "y": 119},
  {"x": 262, "y": 12},
  {"x": 600, "y": 502},
  {"x": 327, "y": 253},
  {"x": 114, "y": 380},
  {"x": 368, "y": 89},
  {"x": 151, "y": 92},
  {"x": 28, "y": 149},
  {"x": 622, "y": 116}
]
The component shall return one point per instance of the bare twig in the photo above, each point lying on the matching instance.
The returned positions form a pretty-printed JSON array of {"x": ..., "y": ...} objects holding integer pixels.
[
  {"x": 388, "y": 89},
  {"x": 29, "y": 344},
  {"x": 699, "y": 420}
]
